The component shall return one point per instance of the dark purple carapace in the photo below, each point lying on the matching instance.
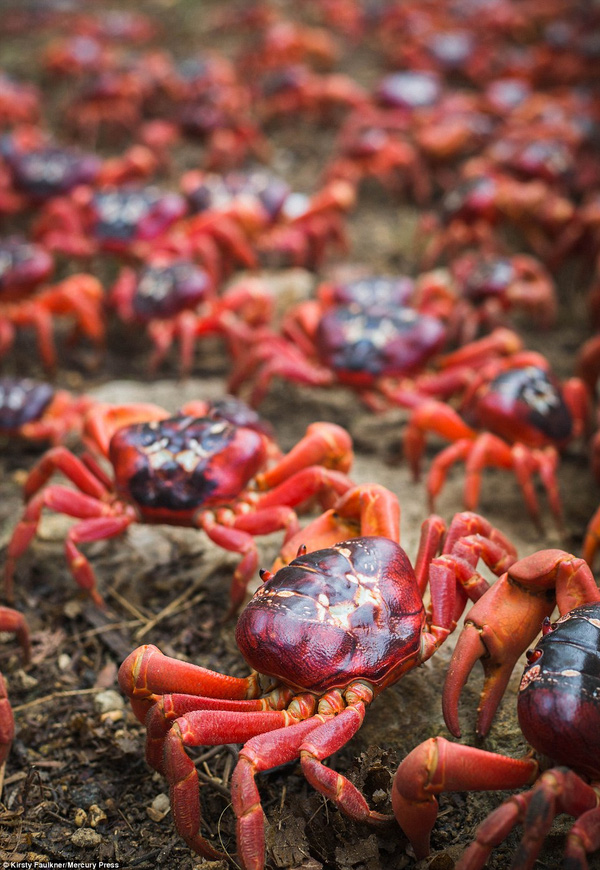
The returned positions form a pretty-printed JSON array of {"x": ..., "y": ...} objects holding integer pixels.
[
  {"x": 23, "y": 264},
  {"x": 451, "y": 49},
  {"x": 549, "y": 160},
  {"x": 363, "y": 344},
  {"x": 179, "y": 465},
  {"x": 505, "y": 94},
  {"x": 471, "y": 200},
  {"x": 373, "y": 290},
  {"x": 43, "y": 173},
  {"x": 410, "y": 90},
  {"x": 349, "y": 612},
  {"x": 489, "y": 278},
  {"x": 164, "y": 291},
  {"x": 559, "y": 695},
  {"x": 522, "y": 404},
  {"x": 240, "y": 414},
  {"x": 222, "y": 191},
  {"x": 124, "y": 215},
  {"x": 22, "y": 401}
]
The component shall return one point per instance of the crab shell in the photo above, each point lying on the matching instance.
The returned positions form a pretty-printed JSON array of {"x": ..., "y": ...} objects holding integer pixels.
[
  {"x": 559, "y": 695},
  {"x": 333, "y": 616},
  {"x": 22, "y": 401},
  {"x": 171, "y": 469},
  {"x": 163, "y": 291},
  {"x": 362, "y": 344},
  {"x": 524, "y": 404}
]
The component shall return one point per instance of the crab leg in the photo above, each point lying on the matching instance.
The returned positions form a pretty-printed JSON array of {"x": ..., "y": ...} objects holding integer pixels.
[
  {"x": 61, "y": 459},
  {"x": 58, "y": 498},
  {"x": 437, "y": 766},
  {"x": 506, "y": 620},
  {"x": 212, "y": 728},
  {"x": 584, "y": 838},
  {"x": 170, "y": 707},
  {"x": 263, "y": 752},
  {"x": 557, "y": 791},
  {"x": 432, "y": 416},
  {"x": 10, "y": 620},
  {"x": 237, "y": 536},
  {"x": 147, "y": 673},
  {"x": 591, "y": 541},
  {"x": 324, "y": 741},
  {"x": 92, "y": 529}
]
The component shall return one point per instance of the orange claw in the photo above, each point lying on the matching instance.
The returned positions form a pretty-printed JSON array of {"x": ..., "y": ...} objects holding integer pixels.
[
  {"x": 506, "y": 620},
  {"x": 369, "y": 509},
  {"x": 437, "y": 766}
]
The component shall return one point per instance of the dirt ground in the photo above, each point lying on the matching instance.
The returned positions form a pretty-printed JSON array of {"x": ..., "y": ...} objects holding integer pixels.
[{"x": 76, "y": 784}]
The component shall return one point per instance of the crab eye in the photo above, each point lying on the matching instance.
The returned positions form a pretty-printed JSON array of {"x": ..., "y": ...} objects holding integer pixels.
[{"x": 533, "y": 655}]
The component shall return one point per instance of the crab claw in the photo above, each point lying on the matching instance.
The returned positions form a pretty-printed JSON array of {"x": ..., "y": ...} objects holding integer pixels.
[{"x": 506, "y": 620}]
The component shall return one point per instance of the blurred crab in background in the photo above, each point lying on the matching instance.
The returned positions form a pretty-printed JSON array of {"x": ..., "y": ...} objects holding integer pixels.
[
  {"x": 175, "y": 299},
  {"x": 512, "y": 413},
  {"x": 209, "y": 467},
  {"x": 355, "y": 333},
  {"x": 472, "y": 214},
  {"x": 19, "y": 102},
  {"x": 124, "y": 220},
  {"x": 34, "y": 169},
  {"x": 296, "y": 89},
  {"x": 487, "y": 287},
  {"x": 78, "y": 298},
  {"x": 357, "y": 604},
  {"x": 37, "y": 412},
  {"x": 254, "y": 217}
]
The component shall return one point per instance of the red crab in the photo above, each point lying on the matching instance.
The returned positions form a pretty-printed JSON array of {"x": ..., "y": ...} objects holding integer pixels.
[
  {"x": 254, "y": 216},
  {"x": 489, "y": 286},
  {"x": 35, "y": 411},
  {"x": 34, "y": 169},
  {"x": 10, "y": 620},
  {"x": 72, "y": 56},
  {"x": 473, "y": 211},
  {"x": 110, "y": 102},
  {"x": 19, "y": 102},
  {"x": 513, "y": 414},
  {"x": 357, "y": 607},
  {"x": 374, "y": 145},
  {"x": 558, "y": 714},
  {"x": 124, "y": 220},
  {"x": 355, "y": 334},
  {"x": 175, "y": 300},
  {"x": 204, "y": 468},
  {"x": 228, "y": 212},
  {"x": 296, "y": 90},
  {"x": 282, "y": 43},
  {"x": 79, "y": 299},
  {"x": 23, "y": 266}
]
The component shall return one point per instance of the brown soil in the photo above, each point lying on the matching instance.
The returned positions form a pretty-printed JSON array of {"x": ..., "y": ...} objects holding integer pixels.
[{"x": 76, "y": 784}]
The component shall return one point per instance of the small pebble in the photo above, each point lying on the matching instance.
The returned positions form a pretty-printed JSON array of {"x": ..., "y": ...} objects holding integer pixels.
[
  {"x": 64, "y": 662},
  {"x": 108, "y": 700},
  {"x": 97, "y": 815},
  {"x": 86, "y": 837},
  {"x": 112, "y": 716},
  {"x": 80, "y": 817},
  {"x": 159, "y": 807}
]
